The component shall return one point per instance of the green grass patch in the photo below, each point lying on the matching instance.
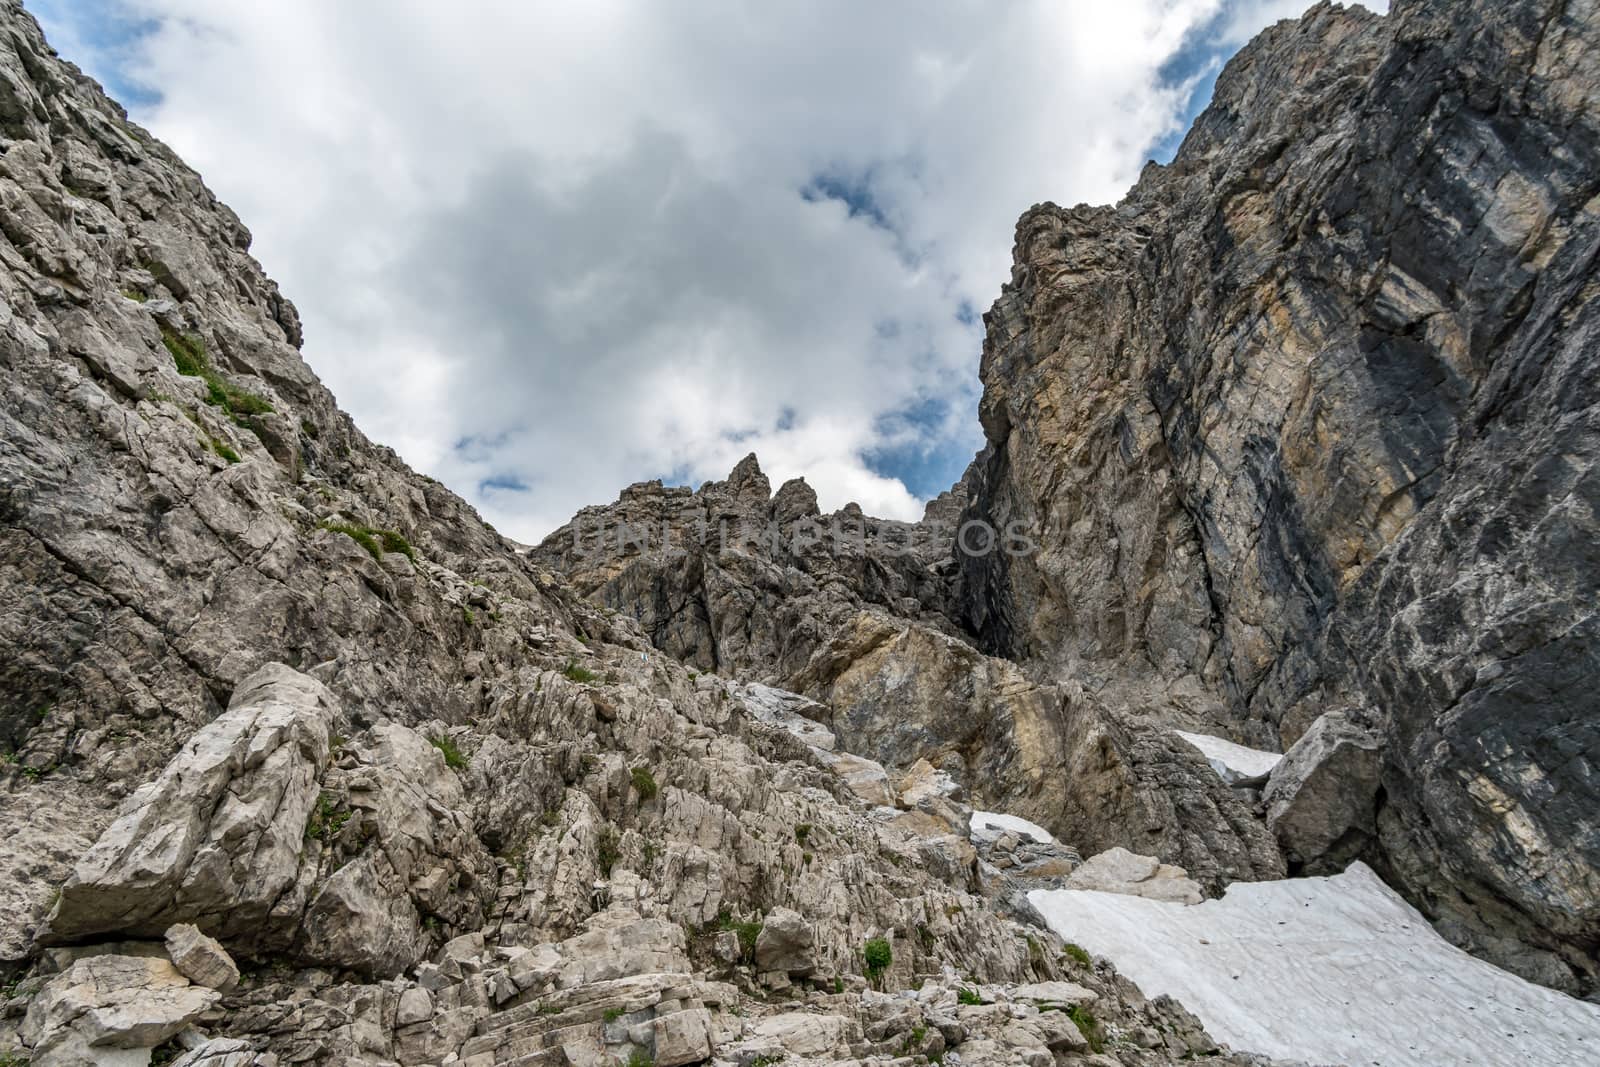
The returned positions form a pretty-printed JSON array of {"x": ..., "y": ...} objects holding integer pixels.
[
  {"x": 375, "y": 541},
  {"x": 1088, "y": 1026},
  {"x": 802, "y": 830},
  {"x": 223, "y": 449},
  {"x": 967, "y": 995},
  {"x": 578, "y": 674},
  {"x": 1077, "y": 954},
  {"x": 454, "y": 758},
  {"x": 644, "y": 783},
  {"x": 188, "y": 353}
]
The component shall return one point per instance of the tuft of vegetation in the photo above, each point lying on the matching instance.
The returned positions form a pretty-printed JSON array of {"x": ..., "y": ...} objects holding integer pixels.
[
  {"x": 577, "y": 673},
  {"x": 359, "y": 534},
  {"x": 309, "y": 428},
  {"x": 223, "y": 449},
  {"x": 878, "y": 956},
  {"x": 395, "y": 542},
  {"x": 188, "y": 353},
  {"x": 967, "y": 995},
  {"x": 606, "y": 851},
  {"x": 375, "y": 541},
  {"x": 326, "y": 820},
  {"x": 802, "y": 830},
  {"x": 134, "y": 295},
  {"x": 640, "y": 1058},
  {"x": 838, "y": 985},
  {"x": 468, "y": 616},
  {"x": 613, "y": 1014},
  {"x": 767, "y": 1060},
  {"x": 644, "y": 783},
  {"x": 454, "y": 758},
  {"x": 1077, "y": 954},
  {"x": 1088, "y": 1026},
  {"x": 913, "y": 1040}
]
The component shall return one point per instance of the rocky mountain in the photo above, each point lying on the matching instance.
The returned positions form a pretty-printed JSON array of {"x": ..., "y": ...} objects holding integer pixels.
[
  {"x": 1300, "y": 432},
  {"x": 1294, "y": 447}
]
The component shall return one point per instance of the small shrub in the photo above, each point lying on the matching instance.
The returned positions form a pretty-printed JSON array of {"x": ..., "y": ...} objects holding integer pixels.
[
  {"x": 577, "y": 673},
  {"x": 838, "y": 985},
  {"x": 913, "y": 1040},
  {"x": 454, "y": 758},
  {"x": 878, "y": 956},
  {"x": 640, "y": 1058},
  {"x": 605, "y": 851},
  {"x": 1088, "y": 1026},
  {"x": 326, "y": 820},
  {"x": 644, "y": 783},
  {"x": 613, "y": 1014},
  {"x": 967, "y": 995},
  {"x": 467, "y": 616},
  {"x": 802, "y": 830},
  {"x": 767, "y": 1060},
  {"x": 309, "y": 428},
  {"x": 1077, "y": 954}
]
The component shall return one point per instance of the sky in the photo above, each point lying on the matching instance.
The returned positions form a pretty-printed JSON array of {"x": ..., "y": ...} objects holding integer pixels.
[{"x": 545, "y": 250}]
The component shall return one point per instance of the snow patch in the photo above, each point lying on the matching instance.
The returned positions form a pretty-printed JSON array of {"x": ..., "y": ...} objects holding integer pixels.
[
  {"x": 989, "y": 825},
  {"x": 1327, "y": 970},
  {"x": 1232, "y": 761}
]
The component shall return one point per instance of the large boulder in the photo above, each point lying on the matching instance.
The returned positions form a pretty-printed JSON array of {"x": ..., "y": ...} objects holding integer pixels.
[
  {"x": 103, "y": 1006},
  {"x": 1119, "y": 871},
  {"x": 784, "y": 943},
  {"x": 249, "y": 836},
  {"x": 1321, "y": 797},
  {"x": 217, "y": 838}
]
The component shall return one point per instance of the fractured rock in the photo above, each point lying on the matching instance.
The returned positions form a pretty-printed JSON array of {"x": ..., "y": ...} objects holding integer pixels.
[
  {"x": 1119, "y": 871},
  {"x": 119, "y": 1002},
  {"x": 1323, "y": 792},
  {"x": 218, "y": 835},
  {"x": 201, "y": 959}
]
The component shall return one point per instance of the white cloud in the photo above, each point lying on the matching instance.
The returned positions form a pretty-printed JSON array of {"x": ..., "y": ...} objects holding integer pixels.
[{"x": 565, "y": 246}]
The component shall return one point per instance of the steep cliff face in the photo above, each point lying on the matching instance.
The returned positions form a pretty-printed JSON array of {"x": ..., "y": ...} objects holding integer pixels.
[{"x": 1308, "y": 422}]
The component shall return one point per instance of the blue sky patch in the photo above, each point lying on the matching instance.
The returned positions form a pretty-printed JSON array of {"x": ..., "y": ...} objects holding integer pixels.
[{"x": 101, "y": 37}]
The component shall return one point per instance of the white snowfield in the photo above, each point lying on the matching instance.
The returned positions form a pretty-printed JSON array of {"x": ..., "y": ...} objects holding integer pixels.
[
  {"x": 1335, "y": 970},
  {"x": 1232, "y": 761},
  {"x": 989, "y": 825}
]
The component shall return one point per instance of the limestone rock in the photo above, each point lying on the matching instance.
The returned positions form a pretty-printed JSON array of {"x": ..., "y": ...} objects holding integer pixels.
[
  {"x": 201, "y": 959},
  {"x": 784, "y": 943},
  {"x": 117, "y": 1002},
  {"x": 681, "y": 1037},
  {"x": 217, "y": 838},
  {"x": 1322, "y": 798},
  {"x": 1119, "y": 871}
]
